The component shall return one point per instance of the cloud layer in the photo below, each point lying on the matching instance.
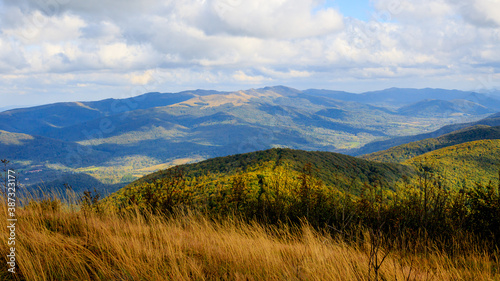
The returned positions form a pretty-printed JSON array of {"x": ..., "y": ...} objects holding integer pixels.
[{"x": 76, "y": 50}]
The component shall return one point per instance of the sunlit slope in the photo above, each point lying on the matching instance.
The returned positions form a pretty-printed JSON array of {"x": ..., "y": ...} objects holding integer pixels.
[
  {"x": 466, "y": 163},
  {"x": 407, "y": 151},
  {"x": 332, "y": 169},
  {"x": 492, "y": 120}
]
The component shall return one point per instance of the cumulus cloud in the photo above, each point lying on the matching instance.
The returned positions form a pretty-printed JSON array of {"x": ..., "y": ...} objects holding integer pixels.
[
  {"x": 411, "y": 10},
  {"x": 480, "y": 12},
  {"x": 141, "y": 79},
  {"x": 38, "y": 28},
  {"x": 11, "y": 57},
  {"x": 276, "y": 18},
  {"x": 242, "y": 76}
]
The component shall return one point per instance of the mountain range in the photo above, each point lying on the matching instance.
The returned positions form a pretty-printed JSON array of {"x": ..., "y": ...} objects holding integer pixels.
[{"x": 118, "y": 140}]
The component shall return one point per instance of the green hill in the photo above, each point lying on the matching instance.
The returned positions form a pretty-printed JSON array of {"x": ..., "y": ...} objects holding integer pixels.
[
  {"x": 407, "y": 151},
  {"x": 272, "y": 182},
  {"x": 464, "y": 164},
  {"x": 280, "y": 184},
  {"x": 492, "y": 120},
  {"x": 333, "y": 169},
  {"x": 49, "y": 163}
]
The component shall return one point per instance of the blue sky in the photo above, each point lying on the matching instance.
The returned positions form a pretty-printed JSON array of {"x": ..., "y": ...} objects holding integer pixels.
[
  {"x": 67, "y": 50},
  {"x": 360, "y": 9}
]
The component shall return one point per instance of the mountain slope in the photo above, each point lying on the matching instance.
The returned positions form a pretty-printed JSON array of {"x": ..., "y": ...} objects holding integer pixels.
[
  {"x": 334, "y": 169},
  {"x": 275, "y": 184},
  {"x": 464, "y": 164},
  {"x": 492, "y": 120},
  {"x": 404, "y": 152},
  {"x": 23, "y": 147},
  {"x": 39, "y": 120},
  {"x": 49, "y": 162},
  {"x": 430, "y": 107},
  {"x": 398, "y": 97}
]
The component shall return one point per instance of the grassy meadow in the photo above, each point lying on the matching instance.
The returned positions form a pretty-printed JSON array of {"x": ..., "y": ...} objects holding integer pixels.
[{"x": 58, "y": 240}]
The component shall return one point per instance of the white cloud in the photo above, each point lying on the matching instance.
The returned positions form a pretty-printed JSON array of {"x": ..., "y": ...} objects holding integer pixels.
[
  {"x": 11, "y": 57},
  {"x": 480, "y": 12},
  {"x": 289, "y": 74},
  {"x": 37, "y": 28},
  {"x": 276, "y": 18},
  {"x": 413, "y": 11},
  {"x": 242, "y": 76},
  {"x": 141, "y": 79},
  {"x": 121, "y": 55},
  {"x": 95, "y": 9}
]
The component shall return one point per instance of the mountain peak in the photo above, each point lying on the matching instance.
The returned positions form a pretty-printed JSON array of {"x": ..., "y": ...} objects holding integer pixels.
[{"x": 280, "y": 89}]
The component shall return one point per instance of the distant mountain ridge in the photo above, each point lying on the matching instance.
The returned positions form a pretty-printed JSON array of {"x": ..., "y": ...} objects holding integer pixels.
[
  {"x": 431, "y": 107},
  {"x": 397, "y": 97}
]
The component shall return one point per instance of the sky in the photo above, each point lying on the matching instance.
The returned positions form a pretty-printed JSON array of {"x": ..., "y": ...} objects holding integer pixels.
[{"x": 72, "y": 50}]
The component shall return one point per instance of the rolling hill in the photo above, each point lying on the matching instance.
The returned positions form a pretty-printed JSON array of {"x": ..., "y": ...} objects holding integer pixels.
[
  {"x": 39, "y": 160},
  {"x": 464, "y": 164},
  {"x": 286, "y": 179},
  {"x": 264, "y": 177},
  {"x": 492, "y": 120},
  {"x": 41, "y": 120},
  {"x": 399, "y": 154},
  {"x": 24, "y": 147},
  {"x": 462, "y": 158},
  {"x": 334, "y": 169}
]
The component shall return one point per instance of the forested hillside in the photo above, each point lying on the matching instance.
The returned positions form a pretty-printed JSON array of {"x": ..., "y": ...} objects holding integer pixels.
[
  {"x": 492, "y": 120},
  {"x": 465, "y": 164},
  {"x": 404, "y": 152},
  {"x": 334, "y": 169},
  {"x": 444, "y": 194}
]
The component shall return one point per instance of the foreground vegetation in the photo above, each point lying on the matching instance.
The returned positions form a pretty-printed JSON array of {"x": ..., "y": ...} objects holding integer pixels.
[
  {"x": 267, "y": 216},
  {"x": 344, "y": 195},
  {"x": 60, "y": 241}
]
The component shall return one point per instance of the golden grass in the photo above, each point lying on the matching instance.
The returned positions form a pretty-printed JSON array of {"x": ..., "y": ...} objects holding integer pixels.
[{"x": 69, "y": 244}]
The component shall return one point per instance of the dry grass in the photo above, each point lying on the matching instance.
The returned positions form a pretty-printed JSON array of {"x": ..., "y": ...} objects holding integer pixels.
[{"x": 72, "y": 245}]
